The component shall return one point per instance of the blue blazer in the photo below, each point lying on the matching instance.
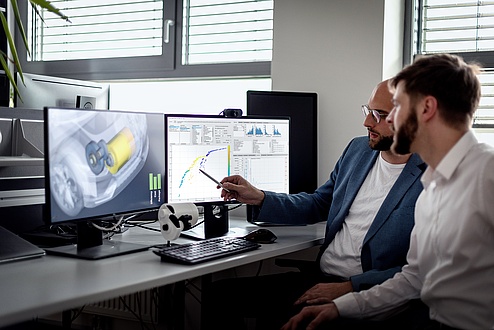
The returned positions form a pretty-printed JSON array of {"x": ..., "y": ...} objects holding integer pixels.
[{"x": 386, "y": 243}]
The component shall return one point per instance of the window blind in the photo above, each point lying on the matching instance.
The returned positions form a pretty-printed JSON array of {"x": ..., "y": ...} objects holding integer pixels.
[
  {"x": 217, "y": 31},
  {"x": 457, "y": 26},
  {"x": 484, "y": 116},
  {"x": 213, "y": 31},
  {"x": 461, "y": 26},
  {"x": 98, "y": 29}
]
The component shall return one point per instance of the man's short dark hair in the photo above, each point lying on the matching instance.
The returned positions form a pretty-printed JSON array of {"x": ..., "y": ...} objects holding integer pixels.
[{"x": 449, "y": 79}]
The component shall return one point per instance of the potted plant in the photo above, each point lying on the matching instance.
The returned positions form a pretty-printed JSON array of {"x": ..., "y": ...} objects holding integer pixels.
[{"x": 4, "y": 58}]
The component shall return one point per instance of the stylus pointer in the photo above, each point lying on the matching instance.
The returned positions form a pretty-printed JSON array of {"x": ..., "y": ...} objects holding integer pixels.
[{"x": 214, "y": 180}]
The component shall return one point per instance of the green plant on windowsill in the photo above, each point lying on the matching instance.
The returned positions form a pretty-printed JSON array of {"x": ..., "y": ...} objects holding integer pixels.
[{"x": 4, "y": 59}]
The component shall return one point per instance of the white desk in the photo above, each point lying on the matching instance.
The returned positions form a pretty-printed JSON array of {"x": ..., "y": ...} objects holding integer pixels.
[{"x": 51, "y": 284}]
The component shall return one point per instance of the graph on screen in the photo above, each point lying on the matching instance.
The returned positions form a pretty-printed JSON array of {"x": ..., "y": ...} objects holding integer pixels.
[
  {"x": 255, "y": 148},
  {"x": 189, "y": 183}
]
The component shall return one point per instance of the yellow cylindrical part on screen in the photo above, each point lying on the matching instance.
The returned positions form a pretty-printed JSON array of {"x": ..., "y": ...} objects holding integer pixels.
[{"x": 120, "y": 149}]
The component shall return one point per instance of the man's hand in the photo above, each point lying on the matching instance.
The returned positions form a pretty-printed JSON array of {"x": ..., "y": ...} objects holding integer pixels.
[
  {"x": 241, "y": 190},
  {"x": 323, "y": 293},
  {"x": 312, "y": 317}
]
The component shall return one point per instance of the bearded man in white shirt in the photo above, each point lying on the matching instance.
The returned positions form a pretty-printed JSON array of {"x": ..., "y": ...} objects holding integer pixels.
[{"x": 450, "y": 260}]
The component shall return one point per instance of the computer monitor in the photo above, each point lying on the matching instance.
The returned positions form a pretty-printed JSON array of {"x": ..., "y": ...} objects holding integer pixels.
[
  {"x": 39, "y": 91},
  {"x": 101, "y": 165},
  {"x": 301, "y": 107},
  {"x": 256, "y": 148}
]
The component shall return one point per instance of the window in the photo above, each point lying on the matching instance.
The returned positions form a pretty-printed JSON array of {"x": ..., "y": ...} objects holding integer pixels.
[
  {"x": 123, "y": 39},
  {"x": 464, "y": 27},
  {"x": 112, "y": 28},
  {"x": 227, "y": 31}
]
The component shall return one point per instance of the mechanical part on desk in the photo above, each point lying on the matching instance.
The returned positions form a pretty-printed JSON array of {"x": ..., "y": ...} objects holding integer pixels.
[{"x": 175, "y": 218}]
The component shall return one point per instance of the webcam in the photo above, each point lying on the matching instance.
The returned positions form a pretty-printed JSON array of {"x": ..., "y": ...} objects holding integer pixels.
[{"x": 232, "y": 113}]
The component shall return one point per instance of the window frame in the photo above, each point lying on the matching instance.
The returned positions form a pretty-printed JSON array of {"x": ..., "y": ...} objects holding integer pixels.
[
  {"x": 484, "y": 58},
  {"x": 168, "y": 65}
]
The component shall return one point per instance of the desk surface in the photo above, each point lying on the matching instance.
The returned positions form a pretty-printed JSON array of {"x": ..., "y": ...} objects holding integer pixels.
[{"x": 51, "y": 284}]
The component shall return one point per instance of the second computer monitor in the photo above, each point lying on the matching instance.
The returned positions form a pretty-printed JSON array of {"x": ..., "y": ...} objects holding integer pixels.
[
  {"x": 39, "y": 91},
  {"x": 301, "y": 107},
  {"x": 256, "y": 148}
]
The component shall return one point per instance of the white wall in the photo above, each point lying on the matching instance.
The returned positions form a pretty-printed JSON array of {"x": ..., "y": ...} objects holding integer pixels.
[
  {"x": 203, "y": 96},
  {"x": 335, "y": 48}
]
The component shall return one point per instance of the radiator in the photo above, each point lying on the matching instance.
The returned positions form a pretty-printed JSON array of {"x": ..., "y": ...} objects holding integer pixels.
[{"x": 141, "y": 306}]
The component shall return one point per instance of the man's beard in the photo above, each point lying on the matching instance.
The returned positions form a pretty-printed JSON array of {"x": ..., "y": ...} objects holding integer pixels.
[
  {"x": 406, "y": 134},
  {"x": 383, "y": 144}
]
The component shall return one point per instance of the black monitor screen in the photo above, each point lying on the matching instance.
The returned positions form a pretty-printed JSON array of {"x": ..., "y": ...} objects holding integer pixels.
[
  {"x": 101, "y": 163},
  {"x": 301, "y": 107},
  {"x": 255, "y": 147}
]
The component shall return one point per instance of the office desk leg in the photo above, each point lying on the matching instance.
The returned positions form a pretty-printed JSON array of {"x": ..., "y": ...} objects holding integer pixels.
[
  {"x": 206, "y": 322},
  {"x": 172, "y": 306},
  {"x": 67, "y": 319}
]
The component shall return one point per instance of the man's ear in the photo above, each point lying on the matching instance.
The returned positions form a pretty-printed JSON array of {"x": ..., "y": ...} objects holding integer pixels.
[{"x": 429, "y": 108}]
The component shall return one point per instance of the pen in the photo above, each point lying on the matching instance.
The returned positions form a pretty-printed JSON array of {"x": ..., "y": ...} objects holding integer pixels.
[{"x": 214, "y": 180}]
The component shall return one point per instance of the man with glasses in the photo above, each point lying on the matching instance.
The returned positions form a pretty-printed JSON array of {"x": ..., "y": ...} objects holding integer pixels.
[{"x": 368, "y": 203}]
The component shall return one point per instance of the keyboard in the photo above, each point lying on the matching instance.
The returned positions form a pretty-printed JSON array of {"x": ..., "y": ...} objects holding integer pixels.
[{"x": 205, "y": 250}]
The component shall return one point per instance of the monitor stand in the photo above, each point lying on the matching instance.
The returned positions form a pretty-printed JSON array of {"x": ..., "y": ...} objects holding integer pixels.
[
  {"x": 215, "y": 223},
  {"x": 91, "y": 245}
]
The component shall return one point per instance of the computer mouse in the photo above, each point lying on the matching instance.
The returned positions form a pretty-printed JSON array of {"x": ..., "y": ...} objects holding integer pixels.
[{"x": 262, "y": 235}]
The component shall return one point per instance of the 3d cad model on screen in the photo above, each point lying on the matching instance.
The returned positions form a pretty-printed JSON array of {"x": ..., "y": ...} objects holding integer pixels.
[{"x": 96, "y": 161}]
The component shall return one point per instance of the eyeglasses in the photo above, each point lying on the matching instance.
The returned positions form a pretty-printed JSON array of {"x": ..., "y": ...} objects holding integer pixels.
[{"x": 377, "y": 114}]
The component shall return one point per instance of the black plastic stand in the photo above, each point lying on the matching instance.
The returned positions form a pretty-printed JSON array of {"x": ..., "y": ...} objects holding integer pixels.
[
  {"x": 215, "y": 224},
  {"x": 88, "y": 236},
  {"x": 90, "y": 245},
  {"x": 215, "y": 220}
]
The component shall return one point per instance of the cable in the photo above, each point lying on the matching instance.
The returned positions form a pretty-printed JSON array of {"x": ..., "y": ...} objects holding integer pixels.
[
  {"x": 116, "y": 228},
  {"x": 197, "y": 224},
  {"x": 259, "y": 268},
  {"x": 145, "y": 227},
  {"x": 77, "y": 313},
  {"x": 119, "y": 222},
  {"x": 235, "y": 207}
]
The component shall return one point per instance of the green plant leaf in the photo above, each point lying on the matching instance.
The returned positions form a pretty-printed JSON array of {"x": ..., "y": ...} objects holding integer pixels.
[
  {"x": 9, "y": 75},
  {"x": 48, "y": 6},
  {"x": 13, "y": 50},
  {"x": 4, "y": 59},
  {"x": 18, "y": 20}
]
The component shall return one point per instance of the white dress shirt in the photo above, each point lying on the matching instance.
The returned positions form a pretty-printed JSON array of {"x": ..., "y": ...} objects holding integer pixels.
[{"x": 451, "y": 256}]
